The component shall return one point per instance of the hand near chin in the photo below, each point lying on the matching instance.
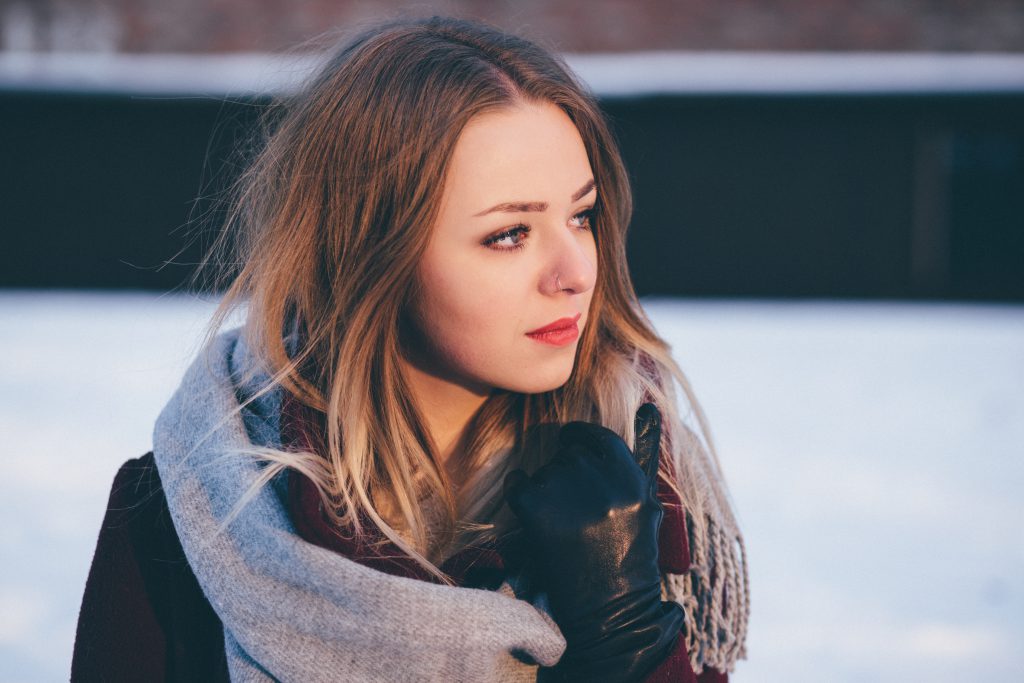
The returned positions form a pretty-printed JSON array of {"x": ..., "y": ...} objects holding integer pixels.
[{"x": 590, "y": 519}]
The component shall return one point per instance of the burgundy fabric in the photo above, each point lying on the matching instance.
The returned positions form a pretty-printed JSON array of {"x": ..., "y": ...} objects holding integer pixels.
[
  {"x": 143, "y": 615},
  {"x": 481, "y": 566}
]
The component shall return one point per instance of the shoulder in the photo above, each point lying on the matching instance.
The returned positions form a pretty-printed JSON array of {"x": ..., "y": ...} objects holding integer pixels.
[
  {"x": 137, "y": 517},
  {"x": 143, "y": 612},
  {"x": 136, "y": 491}
]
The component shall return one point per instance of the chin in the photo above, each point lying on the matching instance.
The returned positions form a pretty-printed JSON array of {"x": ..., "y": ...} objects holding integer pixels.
[{"x": 538, "y": 383}]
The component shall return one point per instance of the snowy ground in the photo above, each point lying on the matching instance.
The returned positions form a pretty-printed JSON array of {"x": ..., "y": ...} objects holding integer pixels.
[{"x": 875, "y": 452}]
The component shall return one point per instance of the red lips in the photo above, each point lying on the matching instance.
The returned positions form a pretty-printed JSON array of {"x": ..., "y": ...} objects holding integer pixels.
[{"x": 560, "y": 324}]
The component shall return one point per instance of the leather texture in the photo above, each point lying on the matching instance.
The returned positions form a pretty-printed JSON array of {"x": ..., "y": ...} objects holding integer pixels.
[{"x": 590, "y": 519}]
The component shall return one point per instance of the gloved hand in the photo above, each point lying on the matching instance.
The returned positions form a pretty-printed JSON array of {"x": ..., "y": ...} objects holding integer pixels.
[{"x": 591, "y": 518}]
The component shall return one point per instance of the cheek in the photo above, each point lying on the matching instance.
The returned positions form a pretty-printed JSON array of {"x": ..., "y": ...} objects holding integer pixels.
[{"x": 471, "y": 314}]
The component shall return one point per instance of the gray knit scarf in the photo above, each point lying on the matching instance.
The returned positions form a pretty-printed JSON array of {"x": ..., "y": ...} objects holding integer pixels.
[{"x": 294, "y": 611}]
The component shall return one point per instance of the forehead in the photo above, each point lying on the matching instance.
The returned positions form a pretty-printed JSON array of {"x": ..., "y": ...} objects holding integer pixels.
[{"x": 530, "y": 152}]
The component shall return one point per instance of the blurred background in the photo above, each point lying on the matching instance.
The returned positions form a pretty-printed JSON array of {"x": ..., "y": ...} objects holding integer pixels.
[{"x": 828, "y": 229}]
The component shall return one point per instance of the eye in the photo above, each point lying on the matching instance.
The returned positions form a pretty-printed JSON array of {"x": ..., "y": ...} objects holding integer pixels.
[
  {"x": 586, "y": 217},
  {"x": 515, "y": 237},
  {"x": 519, "y": 231}
]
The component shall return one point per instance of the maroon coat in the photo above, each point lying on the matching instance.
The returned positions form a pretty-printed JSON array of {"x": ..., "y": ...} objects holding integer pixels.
[{"x": 144, "y": 615}]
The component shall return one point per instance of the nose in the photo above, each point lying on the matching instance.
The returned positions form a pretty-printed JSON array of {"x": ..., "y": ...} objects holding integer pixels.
[{"x": 572, "y": 265}]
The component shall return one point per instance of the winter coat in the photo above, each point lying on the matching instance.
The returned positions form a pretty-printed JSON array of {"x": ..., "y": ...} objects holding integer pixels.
[{"x": 144, "y": 615}]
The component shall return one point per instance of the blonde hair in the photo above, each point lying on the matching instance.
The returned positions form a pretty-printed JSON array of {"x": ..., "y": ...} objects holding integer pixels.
[{"x": 326, "y": 226}]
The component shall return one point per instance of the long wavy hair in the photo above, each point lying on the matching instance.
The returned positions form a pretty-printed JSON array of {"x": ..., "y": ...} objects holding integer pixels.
[{"x": 325, "y": 228}]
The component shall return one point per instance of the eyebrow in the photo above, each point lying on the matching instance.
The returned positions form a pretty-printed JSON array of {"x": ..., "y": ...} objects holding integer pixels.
[{"x": 515, "y": 207}]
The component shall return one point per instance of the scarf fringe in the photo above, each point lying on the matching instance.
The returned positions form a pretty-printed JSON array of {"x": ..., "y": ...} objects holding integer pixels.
[{"x": 715, "y": 601}]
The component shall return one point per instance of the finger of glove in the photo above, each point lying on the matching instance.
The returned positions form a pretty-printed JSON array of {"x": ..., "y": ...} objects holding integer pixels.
[
  {"x": 648, "y": 439},
  {"x": 605, "y": 442},
  {"x": 513, "y": 547},
  {"x": 597, "y": 437},
  {"x": 604, "y": 451},
  {"x": 514, "y": 488}
]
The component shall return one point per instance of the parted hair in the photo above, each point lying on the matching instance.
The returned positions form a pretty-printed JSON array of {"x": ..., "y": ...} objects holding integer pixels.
[{"x": 320, "y": 247}]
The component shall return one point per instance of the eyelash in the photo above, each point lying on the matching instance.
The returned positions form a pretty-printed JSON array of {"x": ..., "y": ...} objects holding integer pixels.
[{"x": 525, "y": 229}]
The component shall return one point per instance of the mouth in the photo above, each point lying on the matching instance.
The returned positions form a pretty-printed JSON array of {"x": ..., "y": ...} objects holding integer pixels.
[{"x": 559, "y": 333}]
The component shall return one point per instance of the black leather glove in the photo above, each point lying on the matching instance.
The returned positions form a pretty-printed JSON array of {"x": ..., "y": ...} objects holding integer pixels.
[{"x": 591, "y": 518}]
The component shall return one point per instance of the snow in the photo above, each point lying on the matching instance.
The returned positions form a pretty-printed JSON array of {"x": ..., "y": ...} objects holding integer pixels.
[
  {"x": 874, "y": 452},
  {"x": 616, "y": 74}
]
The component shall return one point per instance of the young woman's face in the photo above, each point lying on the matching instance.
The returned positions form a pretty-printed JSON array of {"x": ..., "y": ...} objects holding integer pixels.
[{"x": 514, "y": 217}]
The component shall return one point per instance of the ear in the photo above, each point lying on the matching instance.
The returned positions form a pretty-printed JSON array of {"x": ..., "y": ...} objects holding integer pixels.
[{"x": 647, "y": 449}]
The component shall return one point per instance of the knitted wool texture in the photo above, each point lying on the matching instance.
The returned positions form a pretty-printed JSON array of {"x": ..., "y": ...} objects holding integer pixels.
[
  {"x": 294, "y": 611},
  {"x": 714, "y": 591}
]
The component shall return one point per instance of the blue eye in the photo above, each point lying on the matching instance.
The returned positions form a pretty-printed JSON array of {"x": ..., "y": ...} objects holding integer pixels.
[
  {"x": 520, "y": 231},
  {"x": 517, "y": 231},
  {"x": 587, "y": 216}
]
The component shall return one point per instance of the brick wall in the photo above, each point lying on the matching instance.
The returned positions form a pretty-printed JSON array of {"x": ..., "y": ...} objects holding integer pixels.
[{"x": 212, "y": 26}]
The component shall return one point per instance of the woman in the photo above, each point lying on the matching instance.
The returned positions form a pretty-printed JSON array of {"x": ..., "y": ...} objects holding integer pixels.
[{"x": 411, "y": 461}]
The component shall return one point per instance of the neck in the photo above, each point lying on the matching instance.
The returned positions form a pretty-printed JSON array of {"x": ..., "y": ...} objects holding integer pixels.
[{"x": 446, "y": 405}]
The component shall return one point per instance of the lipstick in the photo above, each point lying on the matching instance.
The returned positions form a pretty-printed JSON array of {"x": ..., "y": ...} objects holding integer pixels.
[{"x": 559, "y": 333}]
